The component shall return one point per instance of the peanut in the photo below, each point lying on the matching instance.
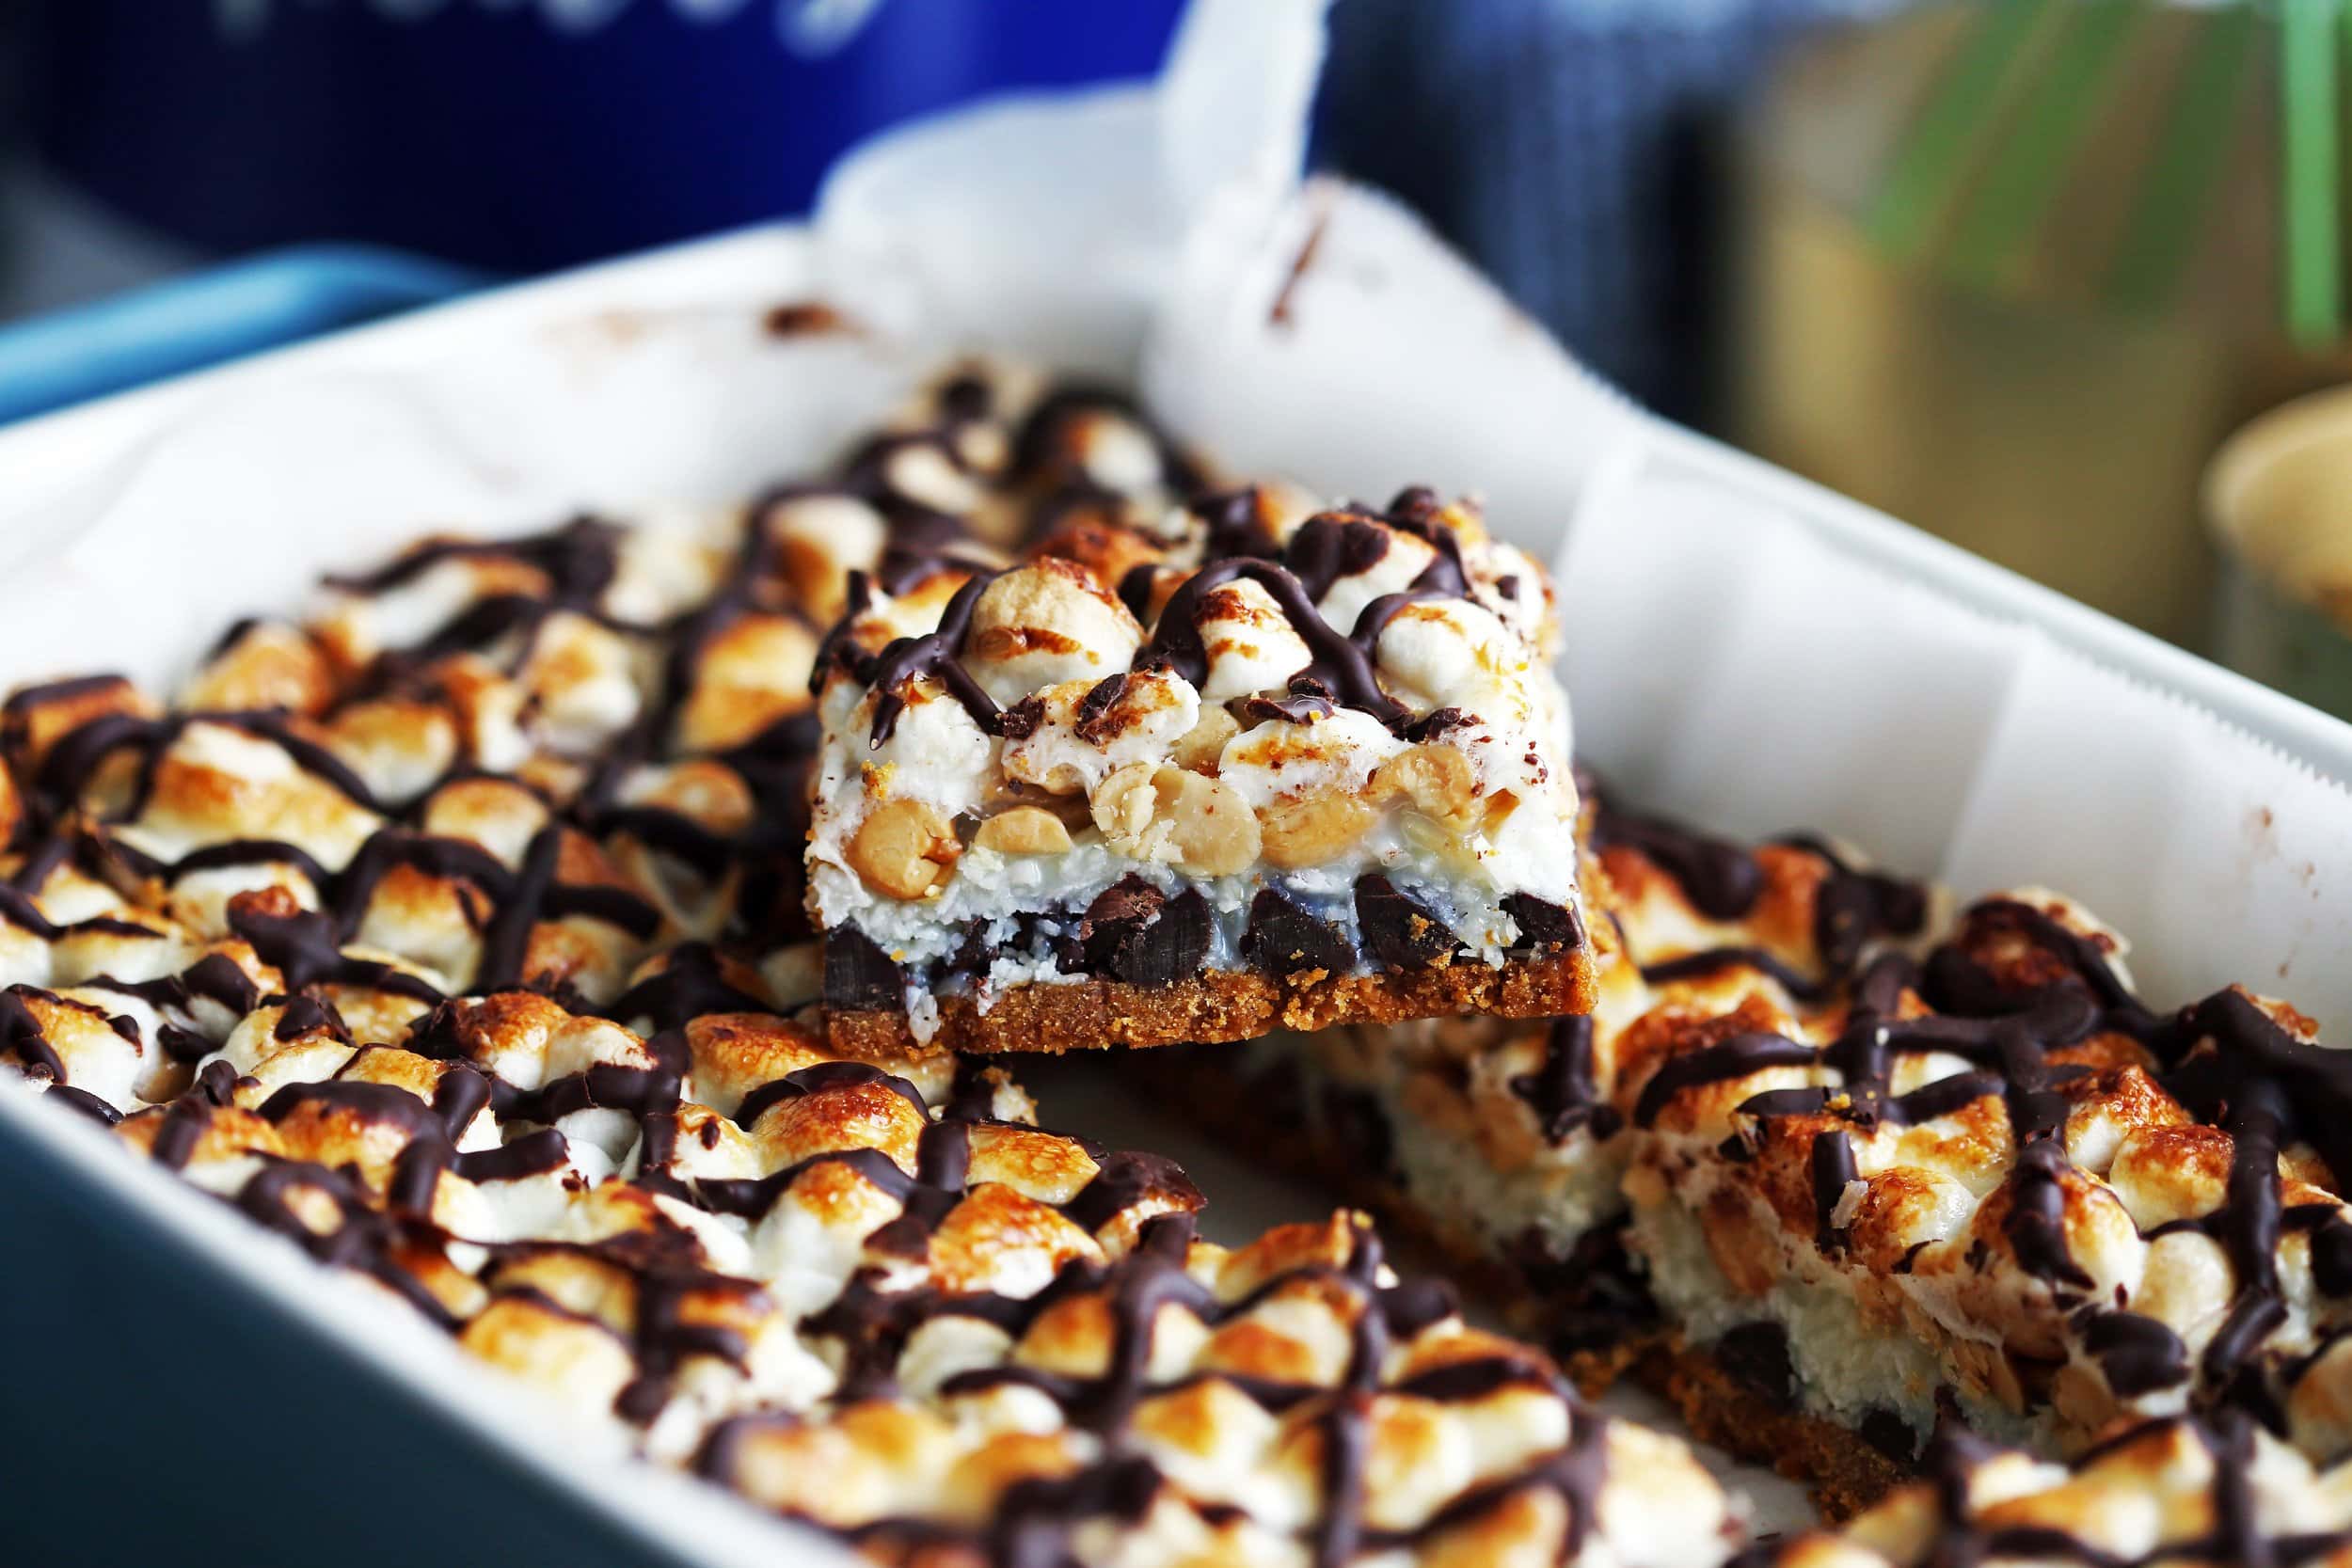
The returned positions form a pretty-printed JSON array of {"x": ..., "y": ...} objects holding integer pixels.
[
  {"x": 1200, "y": 747},
  {"x": 1436, "y": 778},
  {"x": 1166, "y": 814},
  {"x": 1312, "y": 828},
  {"x": 1123, "y": 805},
  {"x": 1024, "y": 831},
  {"x": 904, "y": 848},
  {"x": 1216, "y": 832}
]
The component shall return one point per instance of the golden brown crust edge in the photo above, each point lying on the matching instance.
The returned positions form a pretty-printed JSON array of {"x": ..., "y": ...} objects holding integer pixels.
[
  {"x": 1233, "y": 1005},
  {"x": 1844, "y": 1473}
]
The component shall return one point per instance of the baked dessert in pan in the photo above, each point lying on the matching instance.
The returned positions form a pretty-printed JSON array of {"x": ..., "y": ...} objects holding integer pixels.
[
  {"x": 454, "y": 934},
  {"x": 501, "y": 934}
]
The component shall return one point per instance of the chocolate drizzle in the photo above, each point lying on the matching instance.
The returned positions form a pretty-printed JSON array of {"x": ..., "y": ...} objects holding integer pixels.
[
  {"x": 1326, "y": 548},
  {"x": 1340, "y": 666},
  {"x": 1724, "y": 879},
  {"x": 933, "y": 655},
  {"x": 1564, "y": 1093}
]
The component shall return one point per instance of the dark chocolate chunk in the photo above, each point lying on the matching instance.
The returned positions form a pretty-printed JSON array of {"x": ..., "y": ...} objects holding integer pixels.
[
  {"x": 1308, "y": 701},
  {"x": 1096, "y": 725},
  {"x": 860, "y": 976},
  {"x": 1756, "y": 1354},
  {"x": 1284, "y": 940},
  {"x": 1889, "y": 1434},
  {"x": 1543, "y": 923},
  {"x": 1135, "y": 932},
  {"x": 1019, "y": 721},
  {"x": 1401, "y": 930},
  {"x": 1595, "y": 1298}
]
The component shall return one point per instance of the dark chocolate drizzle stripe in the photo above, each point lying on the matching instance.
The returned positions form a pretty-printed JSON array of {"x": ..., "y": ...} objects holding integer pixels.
[
  {"x": 1723, "y": 881},
  {"x": 1563, "y": 1092}
]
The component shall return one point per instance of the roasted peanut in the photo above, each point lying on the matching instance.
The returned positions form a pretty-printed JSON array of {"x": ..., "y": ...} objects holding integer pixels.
[
  {"x": 904, "y": 848},
  {"x": 1200, "y": 747},
  {"x": 1436, "y": 778},
  {"x": 1312, "y": 828},
  {"x": 1214, "y": 829},
  {"x": 1023, "y": 830},
  {"x": 1124, "y": 803},
  {"x": 1166, "y": 814}
]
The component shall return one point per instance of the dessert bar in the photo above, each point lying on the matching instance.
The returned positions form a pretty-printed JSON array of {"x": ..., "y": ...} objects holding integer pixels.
[{"x": 1238, "y": 768}]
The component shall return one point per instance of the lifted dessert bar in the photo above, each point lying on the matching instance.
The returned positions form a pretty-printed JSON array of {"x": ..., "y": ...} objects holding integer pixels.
[{"x": 1195, "y": 779}]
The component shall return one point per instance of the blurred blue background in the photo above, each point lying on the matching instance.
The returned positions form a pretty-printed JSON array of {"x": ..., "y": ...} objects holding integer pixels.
[{"x": 1564, "y": 144}]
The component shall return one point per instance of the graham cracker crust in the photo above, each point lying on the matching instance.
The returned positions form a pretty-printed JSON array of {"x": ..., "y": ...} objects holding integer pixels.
[
  {"x": 1845, "y": 1472},
  {"x": 1226, "y": 1005}
]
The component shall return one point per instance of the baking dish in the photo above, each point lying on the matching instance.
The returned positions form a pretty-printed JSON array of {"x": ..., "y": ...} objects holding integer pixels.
[{"x": 1743, "y": 646}]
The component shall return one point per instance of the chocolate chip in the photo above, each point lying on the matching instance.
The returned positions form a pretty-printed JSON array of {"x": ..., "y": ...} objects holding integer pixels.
[
  {"x": 1595, "y": 1298},
  {"x": 1889, "y": 1434},
  {"x": 1135, "y": 932},
  {"x": 1019, "y": 721},
  {"x": 1284, "y": 940},
  {"x": 859, "y": 976},
  {"x": 1543, "y": 923},
  {"x": 1430, "y": 726},
  {"x": 1756, "y": 1356},
  {"x": 1402, "y": 931},
  {"x": 1309, "y": 701}
]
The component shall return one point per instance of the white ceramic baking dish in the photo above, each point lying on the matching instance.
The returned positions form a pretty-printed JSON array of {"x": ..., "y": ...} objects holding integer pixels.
[{"x": 1741, "y": 644}]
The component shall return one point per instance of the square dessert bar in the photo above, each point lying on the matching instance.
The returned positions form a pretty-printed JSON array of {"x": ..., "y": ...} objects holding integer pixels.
[{"x": 1235, "y": 769}]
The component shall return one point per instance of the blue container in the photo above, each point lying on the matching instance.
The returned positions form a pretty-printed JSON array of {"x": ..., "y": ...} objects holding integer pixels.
[{"x": 520, "y": 135}]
